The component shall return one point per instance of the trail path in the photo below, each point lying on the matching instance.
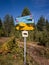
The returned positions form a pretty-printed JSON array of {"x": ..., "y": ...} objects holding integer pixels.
[{"x": 32, "y": 51}]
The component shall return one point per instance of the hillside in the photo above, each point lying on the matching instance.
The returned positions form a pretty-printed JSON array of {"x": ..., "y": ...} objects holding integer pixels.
[{"x": 11, "y": 53}]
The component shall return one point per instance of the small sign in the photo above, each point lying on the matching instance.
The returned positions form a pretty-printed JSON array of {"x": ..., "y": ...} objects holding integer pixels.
[
  {"x": 24, "y": 33},
  {"x": 25, "y": 23}
]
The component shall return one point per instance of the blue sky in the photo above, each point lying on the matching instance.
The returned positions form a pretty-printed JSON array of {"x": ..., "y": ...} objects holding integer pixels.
[{"x": 15, "y": 8}]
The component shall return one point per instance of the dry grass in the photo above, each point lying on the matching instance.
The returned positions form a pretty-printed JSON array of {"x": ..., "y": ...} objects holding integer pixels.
[{"x": 3, "y": 39}]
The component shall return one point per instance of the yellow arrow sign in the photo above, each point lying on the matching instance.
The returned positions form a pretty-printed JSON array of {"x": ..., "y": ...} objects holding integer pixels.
[{"x": 24, "y": 26}]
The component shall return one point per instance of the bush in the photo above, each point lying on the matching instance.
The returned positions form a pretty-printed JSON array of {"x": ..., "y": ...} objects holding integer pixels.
[{"x": 9, "y": 45}]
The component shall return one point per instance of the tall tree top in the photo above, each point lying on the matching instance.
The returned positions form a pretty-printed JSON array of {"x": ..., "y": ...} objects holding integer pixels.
[{"x": 25, "y": 12}]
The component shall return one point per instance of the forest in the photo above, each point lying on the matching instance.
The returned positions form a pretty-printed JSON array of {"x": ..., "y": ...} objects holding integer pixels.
[{"x": 40, "y": 33}]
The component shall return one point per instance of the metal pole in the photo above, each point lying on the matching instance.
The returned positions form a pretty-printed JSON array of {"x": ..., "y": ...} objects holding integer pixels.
[{"x": 24, "y": 50}]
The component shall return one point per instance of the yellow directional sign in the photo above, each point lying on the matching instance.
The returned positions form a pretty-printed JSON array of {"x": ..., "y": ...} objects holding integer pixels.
[{"x": 23, "y": 26}]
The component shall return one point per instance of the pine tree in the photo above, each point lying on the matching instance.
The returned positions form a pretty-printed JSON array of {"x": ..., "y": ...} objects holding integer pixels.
[
  {"x": 47, "y": 25},
  {"x": 0, "y": 23},
  {"x": 25, "y": 12},
  {"x": 41, "y": 23},
  {"x": 8, "y": 24}
]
